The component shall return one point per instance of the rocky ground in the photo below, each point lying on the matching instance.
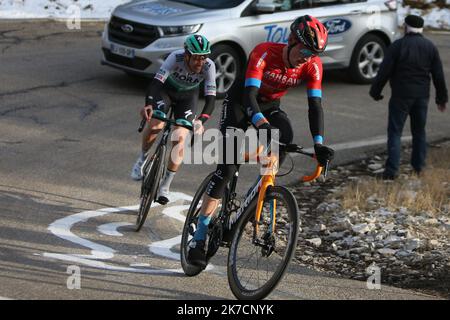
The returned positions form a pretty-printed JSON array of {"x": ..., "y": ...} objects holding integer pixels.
[{"x": 412, "y": 249}]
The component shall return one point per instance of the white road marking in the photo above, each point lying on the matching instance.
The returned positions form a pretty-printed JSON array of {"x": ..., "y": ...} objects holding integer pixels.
[
  {"x": 162, "y": 248},
  {"x": 102, "y": 265},
  {"x": 110, "y": 229},
  {"x": 3, "y": 298},
  {"x": 61, "y": 228}
]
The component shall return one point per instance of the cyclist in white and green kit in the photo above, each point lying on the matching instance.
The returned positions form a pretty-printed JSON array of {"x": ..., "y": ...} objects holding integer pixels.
[{"x": 177, "y": 85}]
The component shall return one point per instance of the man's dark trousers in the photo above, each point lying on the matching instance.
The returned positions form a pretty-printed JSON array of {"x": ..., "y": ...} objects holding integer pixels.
[{"x": 399, "y": 109}]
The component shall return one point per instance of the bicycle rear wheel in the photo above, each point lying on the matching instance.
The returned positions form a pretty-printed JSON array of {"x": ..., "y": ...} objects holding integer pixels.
[
  {"x": 190, "y": 226},
  {"x": 150, "y": 186},
  {"x": 255, "y": 269}
]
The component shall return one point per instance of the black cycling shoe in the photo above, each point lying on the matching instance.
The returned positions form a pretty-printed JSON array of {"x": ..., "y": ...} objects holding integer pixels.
[
  {"x": 162, "y": 200},
  {"x": 197, "y": 254}
]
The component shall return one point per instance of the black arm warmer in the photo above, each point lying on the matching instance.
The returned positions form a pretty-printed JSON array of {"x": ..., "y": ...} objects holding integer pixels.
[
  {"x": 208, "y": 108},
  {"x": 250, "y": 102},
  {"x": 153, "y": 92},
  {"x": 315, "y": 114}
]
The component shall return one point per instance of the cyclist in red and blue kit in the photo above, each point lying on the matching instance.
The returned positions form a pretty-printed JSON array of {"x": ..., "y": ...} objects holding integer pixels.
[{"x": 272, "y": 69}]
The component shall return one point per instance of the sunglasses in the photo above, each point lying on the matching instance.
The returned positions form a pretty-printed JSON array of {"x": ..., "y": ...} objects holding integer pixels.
[{"x": 199, "y": 57}]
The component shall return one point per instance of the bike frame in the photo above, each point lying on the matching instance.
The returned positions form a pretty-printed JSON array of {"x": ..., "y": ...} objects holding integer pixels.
[
  {"x": 257, "y": 191},
  {"x": 165, "y": 136},
  {"x": 259, "y": 188}
]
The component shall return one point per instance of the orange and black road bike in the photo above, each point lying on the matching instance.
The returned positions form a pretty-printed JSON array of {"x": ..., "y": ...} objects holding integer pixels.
[{"x": 261, "y": 231}]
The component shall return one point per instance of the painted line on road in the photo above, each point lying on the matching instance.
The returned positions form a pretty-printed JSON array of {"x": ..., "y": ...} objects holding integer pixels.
[
  {"x": 62, "y": 229},
  {"x": 163, "y": 248},
  {"x": 110, "y": 229},
  {"x": 4, "y": 298}
]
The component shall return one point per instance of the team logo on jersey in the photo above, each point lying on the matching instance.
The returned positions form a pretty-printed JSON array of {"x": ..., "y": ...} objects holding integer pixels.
[
  {"x": 185, "y": 78},
  {"x": 317, "y": 71},
  {"x": 179, "y": 57},
  {"x": 161, "y": 75},
  {"x": 210, "y": 90},
  {"x": 261, "y": 60},
  {"x": 187, "y": 114},
  {"x": 206, "y": 66},
  {"x": 281, "y": 78},
  {"x": 159, "y": 104}
]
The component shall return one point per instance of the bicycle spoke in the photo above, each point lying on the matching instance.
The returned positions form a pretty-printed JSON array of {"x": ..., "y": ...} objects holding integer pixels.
[
  {"x": 270, "y": 253},
  {"x": 246, "y": 260}
]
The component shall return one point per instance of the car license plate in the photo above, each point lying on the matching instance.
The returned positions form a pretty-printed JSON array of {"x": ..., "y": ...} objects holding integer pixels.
[{"x": 122, "y": 51}]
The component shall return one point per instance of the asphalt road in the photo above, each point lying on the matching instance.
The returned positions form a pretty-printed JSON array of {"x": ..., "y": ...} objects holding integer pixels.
[{"x": 68, "y": 140}]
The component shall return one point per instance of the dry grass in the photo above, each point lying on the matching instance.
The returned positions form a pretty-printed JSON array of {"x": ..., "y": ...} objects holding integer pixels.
[{"x": 429, "y": 193}]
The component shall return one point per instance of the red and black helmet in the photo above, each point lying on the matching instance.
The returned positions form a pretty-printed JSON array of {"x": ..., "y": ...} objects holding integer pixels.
[{"x": 310, "y": 32}]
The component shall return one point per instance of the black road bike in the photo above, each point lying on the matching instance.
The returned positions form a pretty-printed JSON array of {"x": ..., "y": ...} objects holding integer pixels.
[
  {"x": 261, "y": 232},
  {"x": 152, "y": 170}
]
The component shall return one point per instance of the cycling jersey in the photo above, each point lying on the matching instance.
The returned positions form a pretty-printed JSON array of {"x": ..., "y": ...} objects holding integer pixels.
[
  {"x": 177, "y": 74},
  {"x": 267, "y": 79},
  {"x": 267, "y": 71},
  {"x": 174, "y": 82}
]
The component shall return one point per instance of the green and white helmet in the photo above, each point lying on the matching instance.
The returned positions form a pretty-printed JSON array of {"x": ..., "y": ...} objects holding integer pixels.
[{"x": 197, "y": 44}]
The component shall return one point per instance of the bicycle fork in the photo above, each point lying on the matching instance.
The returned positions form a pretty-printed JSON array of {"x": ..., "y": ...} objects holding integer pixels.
[{"x": 267, "y": 242}]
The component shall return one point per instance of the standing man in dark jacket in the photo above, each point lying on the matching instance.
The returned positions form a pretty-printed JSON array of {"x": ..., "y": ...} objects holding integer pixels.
[{"x": 408, "y": 64}]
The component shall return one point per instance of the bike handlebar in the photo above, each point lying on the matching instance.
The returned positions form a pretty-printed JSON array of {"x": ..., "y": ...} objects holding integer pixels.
[
  {"x": 293, "y": 148},
  {"x": 141, "y": 126},
  {"x": 314, "y": 176}
]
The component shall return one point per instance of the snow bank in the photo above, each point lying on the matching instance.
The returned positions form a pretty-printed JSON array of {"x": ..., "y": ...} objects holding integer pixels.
[
  {"x": 435, "y": 17},
  {"x": 101, "y": 9},
  {"x": 89, "y": 9}
]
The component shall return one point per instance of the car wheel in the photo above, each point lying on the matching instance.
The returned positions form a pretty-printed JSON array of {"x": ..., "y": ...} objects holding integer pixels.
[
  {"x": 366, "y": 58},
  {"x": 228, "y": 67}
]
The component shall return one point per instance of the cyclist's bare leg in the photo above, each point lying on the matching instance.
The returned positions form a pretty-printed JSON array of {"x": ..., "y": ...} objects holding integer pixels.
[
  {"x": 150, "y": 133},
  {"x": 176, "y": 157},
  {"x": 177, "y": 153},
  {"x": 209, "y": 205}
]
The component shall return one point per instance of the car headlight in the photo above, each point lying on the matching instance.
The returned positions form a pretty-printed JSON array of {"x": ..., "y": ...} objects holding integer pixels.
[{"x": 179, "y": 30}]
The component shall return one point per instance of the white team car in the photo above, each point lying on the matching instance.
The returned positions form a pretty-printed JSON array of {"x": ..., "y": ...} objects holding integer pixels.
[{"x": 141, "y": 34}]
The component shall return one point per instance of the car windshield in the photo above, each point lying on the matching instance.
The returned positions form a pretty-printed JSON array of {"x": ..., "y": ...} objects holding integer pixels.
[{"x": 212, "y": 4}]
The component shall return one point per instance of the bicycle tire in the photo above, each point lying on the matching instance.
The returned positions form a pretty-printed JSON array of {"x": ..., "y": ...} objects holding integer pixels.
[
  {"x": 234, "y": 280},
  {"x": 150, "y": 186},
  {"x": 191, "y": 218}
]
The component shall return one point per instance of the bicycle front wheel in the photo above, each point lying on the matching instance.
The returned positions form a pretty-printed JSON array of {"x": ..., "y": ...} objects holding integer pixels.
[
  {"x": 190, "y": 225},
  {"x": 258, "y": 261},
  {"x": 150, "y": 186}
]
